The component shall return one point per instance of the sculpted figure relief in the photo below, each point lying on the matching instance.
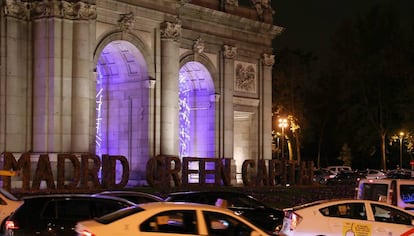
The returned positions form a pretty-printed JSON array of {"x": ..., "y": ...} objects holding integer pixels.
[{"x": 63, "y": 9}]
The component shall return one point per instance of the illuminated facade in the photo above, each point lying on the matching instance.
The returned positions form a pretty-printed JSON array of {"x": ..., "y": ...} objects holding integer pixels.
[{"x": 137, "y": 78}]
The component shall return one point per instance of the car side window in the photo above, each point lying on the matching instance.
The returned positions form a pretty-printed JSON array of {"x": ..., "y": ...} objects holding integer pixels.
[
  {"x": 49, "y": 211},
  {"x": 224, "y": 225},
  {"x": 66, "y": 210},
  {"x": 76, "y": 209},
  {"x": 390, "y": 215},
  {"x": 176, "y": 221},
  {"x": 347, "y": 210}
]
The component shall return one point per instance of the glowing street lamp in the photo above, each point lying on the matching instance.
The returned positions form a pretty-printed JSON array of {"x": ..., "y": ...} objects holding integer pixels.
[
  {"x": 283, "y": 123},
  {"x": 401, "y": 136}
]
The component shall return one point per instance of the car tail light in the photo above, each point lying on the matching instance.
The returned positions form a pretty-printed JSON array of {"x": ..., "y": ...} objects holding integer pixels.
[
  {"x": 10, "y": 225},
  {"x": 86, "y": 233}
]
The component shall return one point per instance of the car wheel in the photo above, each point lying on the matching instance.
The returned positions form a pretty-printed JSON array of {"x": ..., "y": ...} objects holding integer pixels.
[{"x": 322, "y": 181}]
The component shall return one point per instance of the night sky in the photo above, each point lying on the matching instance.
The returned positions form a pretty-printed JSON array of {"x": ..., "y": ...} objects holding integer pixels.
[
  {"x": 309, "y": 28},
  {"x": 309, "y": 24}
]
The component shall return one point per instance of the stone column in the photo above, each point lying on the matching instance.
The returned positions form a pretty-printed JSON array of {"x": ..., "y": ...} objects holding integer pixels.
[
  {"x": 62, "y": 54},
  {"x": 229, "y": 54},
  {"x": 266, "y": 97},
  {"x": 47, "y": 77},
  {"x": 170, "y": 33},
  {"x": 15, "y": 77},
  {"x": 83, "y": 87}
]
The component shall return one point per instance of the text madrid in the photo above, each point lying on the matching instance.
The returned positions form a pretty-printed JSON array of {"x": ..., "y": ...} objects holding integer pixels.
[{"x": 161, "y": 171}]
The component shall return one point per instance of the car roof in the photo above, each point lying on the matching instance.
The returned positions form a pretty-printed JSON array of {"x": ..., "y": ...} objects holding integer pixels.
[
  {"x": 162, "y": 206},
  {"x": 182, "y": 205},
  {"x": 128, "y": 192},
  {"x": 339, "y": 201},
  {"x": 72, "y": 196},
  {"x": 211, "y": 192}
]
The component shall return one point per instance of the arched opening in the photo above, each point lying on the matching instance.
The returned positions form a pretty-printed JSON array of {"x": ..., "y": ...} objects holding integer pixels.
[
  {"x": 122, "y": 106},
  {"x": 197, "y": 111}
]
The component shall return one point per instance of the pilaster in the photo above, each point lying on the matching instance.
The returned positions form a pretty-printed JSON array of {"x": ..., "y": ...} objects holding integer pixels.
[
  {"x": 61, "y": 75},
  {"x": 170, "y": 33},
  {"x": 229, "y": 55},
  {"x": 266, "y": 97},
  {"x": 15, "y": 85}
]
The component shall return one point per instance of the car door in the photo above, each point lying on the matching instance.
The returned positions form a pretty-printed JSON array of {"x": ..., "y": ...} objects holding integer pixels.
[
  {"x": 60, "y": 216},
  {"x": 219, "y": 224},
  {"x": 390, "y": 221},
  {"x": 171, "y": 222},
  {"x": 349, "y": 219}
]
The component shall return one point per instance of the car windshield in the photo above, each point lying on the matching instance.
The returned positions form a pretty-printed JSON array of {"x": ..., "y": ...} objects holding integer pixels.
[
  {"x": 237, "y": 200},
  {"x": 244, "y": 201},
  {"x": 8, "y": 195},
  {"x": 114, "y": 216}
]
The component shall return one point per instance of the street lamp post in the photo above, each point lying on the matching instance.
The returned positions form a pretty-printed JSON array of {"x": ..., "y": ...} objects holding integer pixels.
[
  {"x": 283, "y": 124},
  {"x": 401, "y": 139}
]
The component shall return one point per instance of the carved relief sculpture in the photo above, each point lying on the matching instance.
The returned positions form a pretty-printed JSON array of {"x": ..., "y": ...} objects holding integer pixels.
[
  {"x": 16, "y": 9},
  {"x": 229, "y": 52},
  {"x": 261, "y": 6},
  {"x": 268, "y": 60},
  {"x": 62, "y": 9},
  {"x": 245, "y": 77},
  {"x": 198, "y": 46},
  {"x": 170, "y": 30},
  {"x": 232, "y": 2},
  {"x": 126, "y": 21}
]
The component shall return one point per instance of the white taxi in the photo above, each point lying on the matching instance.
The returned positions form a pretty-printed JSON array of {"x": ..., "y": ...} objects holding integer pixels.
[
  {"x": 169, "y": 218},
  {"x": 347, "y": 218}
]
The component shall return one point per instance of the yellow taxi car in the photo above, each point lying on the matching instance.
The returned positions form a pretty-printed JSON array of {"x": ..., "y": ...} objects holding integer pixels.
[
  {"x": 169, "y": 218},
  {"x": 347, "y": 218}
]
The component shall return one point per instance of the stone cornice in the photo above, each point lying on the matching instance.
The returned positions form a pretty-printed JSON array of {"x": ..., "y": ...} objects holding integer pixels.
[
  {"x": 225, "y": 20},
  {"x": 61, "y": 9}
]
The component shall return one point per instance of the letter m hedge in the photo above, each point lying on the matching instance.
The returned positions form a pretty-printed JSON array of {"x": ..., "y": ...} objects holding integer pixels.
[{"x": 22, "y": 165}]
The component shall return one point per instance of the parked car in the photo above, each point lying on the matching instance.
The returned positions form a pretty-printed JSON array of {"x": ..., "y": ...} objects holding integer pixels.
[
  {"x": 8, "y": 204},
  {"x": 337, "y": 169},
  {"x": 133, "y": 196},
  {"x": 374, "y": 174},
  {"x": 168, "y": 218},
  {"x": 321, "y": 176},
  {"x": 346, "y": 217},
  {"x": 346, "y": 178},
  {"x": 266, "y": 217},
  {"x": 57, "y": 214},
  {"x": 399, "y": 174}
]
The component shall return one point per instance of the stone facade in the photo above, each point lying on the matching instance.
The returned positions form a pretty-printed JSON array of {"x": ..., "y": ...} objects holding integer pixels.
[{"x": 137, "y": 78}]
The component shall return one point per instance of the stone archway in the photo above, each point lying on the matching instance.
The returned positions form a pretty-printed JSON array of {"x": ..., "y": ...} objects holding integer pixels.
[
  {"x": 122, "y": 106},
  {"x": 197, "y": 111}
]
